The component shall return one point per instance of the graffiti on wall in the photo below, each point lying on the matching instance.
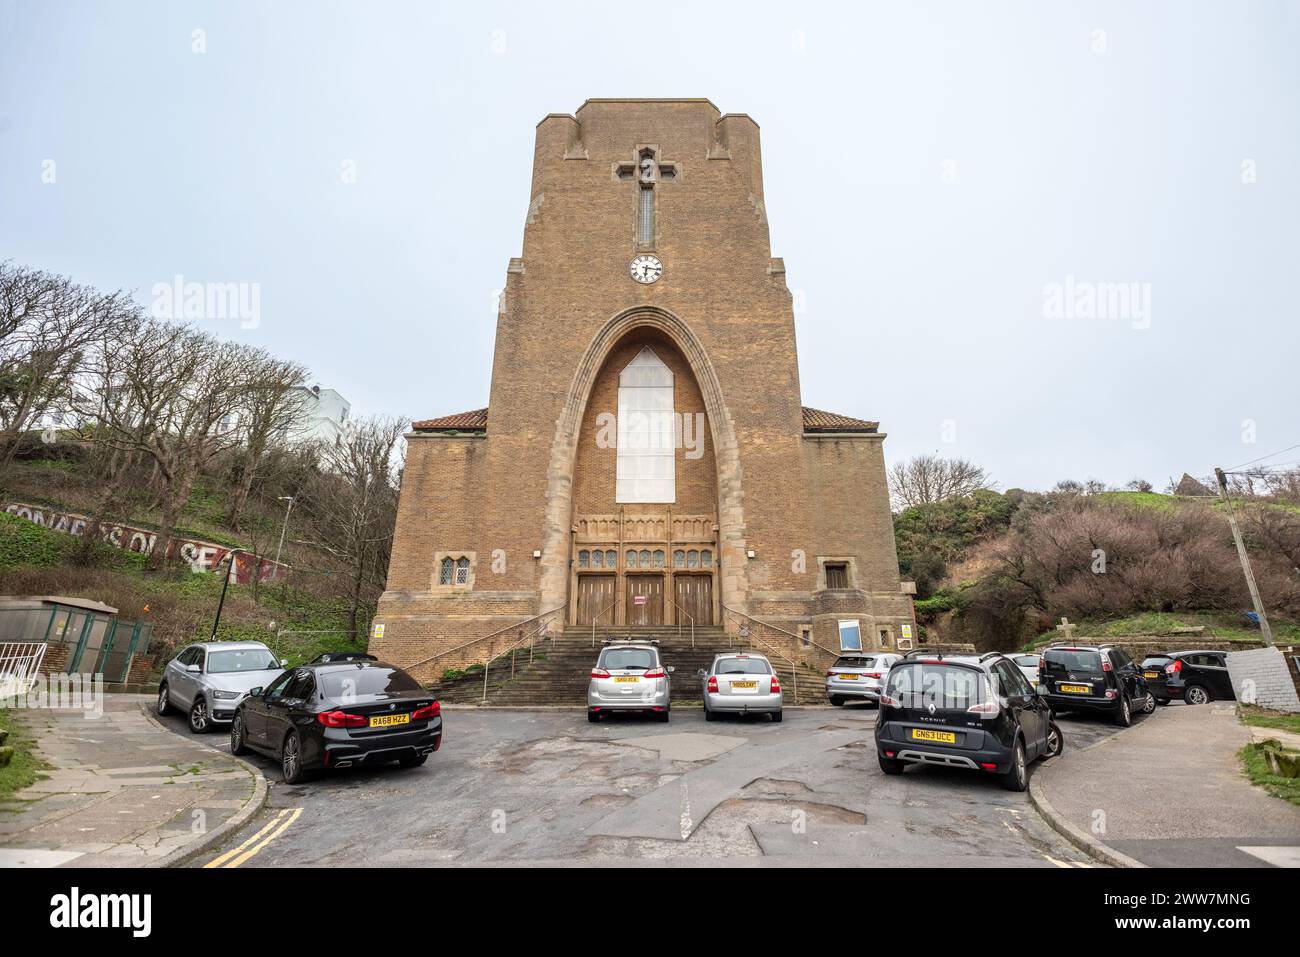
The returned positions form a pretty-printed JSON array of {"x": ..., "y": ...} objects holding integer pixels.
[{"x": 198, "y": 554}]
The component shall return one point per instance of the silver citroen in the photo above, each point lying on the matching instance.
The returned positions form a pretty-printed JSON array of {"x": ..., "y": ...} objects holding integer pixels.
[{"x": 629, "y": 676}]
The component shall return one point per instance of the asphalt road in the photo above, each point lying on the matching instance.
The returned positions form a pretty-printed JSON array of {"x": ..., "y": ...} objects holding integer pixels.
[{"x": 524, "y": 787}]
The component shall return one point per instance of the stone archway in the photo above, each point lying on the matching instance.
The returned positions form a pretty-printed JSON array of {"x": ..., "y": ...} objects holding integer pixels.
[{"x": 559, "y": 479}]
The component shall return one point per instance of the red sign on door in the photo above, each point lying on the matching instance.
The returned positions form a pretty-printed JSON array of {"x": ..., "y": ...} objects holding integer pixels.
[{"x": 638, "y": 599}]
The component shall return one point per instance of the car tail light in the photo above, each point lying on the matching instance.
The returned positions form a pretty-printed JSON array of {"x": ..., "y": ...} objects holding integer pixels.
[
  {"x": 873, "y": 674},
  {"x": 830, "y": 674},
  {"x": 1110, "y": 694},
  {"x": 889, "y": 702},
  {"x": 1105, "y": 664},
  {"x": 713, "y": 684},
  {"x": 657, "y": 673},
  {"x": 342, "y": 719},
  {"x": 984, "y": 707},
  {"x": 599, "y": 673},
  {"x": 889, "y": 754},
  {"x": 427, "y": 712},
  {"x": 987, "y": 766},
  {"x": 1173, "y": 667},
  {"x": 776, "y": 685}
]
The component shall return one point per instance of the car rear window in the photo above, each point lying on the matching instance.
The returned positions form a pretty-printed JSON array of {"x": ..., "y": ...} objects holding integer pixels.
[
  {"x": 1061, "y": 660},
  {"x": 1156, "y": 661},
  {"x": 241, "y": 659},
  {"x": 742, "y": 666},
  {"x": 1026, "y": 661},
  {"x": 916, "y": 684},
  {"x": 855, "y": 661},
  {"x": 627, "y": 659},
  {"x": 357, "y": 684}
]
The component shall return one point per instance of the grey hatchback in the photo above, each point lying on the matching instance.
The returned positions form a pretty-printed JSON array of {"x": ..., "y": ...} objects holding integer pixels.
[
  {"x": 629, "y": 676},
  {"x": 209, "y": 679}
]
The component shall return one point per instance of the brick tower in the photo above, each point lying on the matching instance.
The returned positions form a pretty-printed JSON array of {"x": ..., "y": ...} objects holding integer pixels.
[{"x": 645, "y": 455}]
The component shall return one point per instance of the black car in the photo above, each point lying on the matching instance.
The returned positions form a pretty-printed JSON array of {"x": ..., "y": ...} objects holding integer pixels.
[
  {"x": 1197, "y": 677},
  {"x": 337, "y": 714},
  {"x": 329, "y": 656},
  {"x": 1101, "y": 679},
  {"x": 966, "y": 712}
]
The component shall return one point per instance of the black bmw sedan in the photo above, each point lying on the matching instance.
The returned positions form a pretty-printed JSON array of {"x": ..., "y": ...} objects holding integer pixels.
[{"x": 337, "y": 714}]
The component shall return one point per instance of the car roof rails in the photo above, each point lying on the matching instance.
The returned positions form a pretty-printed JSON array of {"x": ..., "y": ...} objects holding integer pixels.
[
  {"x": 918, "y": 652},
  {"x": 992, "y": 654}
]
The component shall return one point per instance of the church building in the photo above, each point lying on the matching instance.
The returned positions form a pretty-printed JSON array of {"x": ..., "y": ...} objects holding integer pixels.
[{"x": 645, "y": 458}]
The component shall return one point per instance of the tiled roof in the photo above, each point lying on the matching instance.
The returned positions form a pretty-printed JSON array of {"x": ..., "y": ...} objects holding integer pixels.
[
  {"x": 475, "y": 421},
  {"x": 815, "y": 420}
]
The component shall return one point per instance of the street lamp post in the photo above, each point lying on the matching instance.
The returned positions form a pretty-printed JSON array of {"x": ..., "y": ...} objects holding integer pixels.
[
  {"x": 285, "y": 527},
  {"x": 230, "y": 557}
]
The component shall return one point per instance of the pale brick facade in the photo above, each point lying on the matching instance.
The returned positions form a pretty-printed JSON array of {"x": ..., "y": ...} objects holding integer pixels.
[{"x": 772, "y": 481}]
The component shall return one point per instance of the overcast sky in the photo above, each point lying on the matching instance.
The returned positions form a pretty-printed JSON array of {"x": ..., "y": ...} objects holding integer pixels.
[{"x": 931, "y": 170}]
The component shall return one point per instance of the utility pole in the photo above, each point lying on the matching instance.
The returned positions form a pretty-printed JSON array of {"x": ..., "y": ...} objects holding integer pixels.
[
  {"x": 284, "y": 528},
  {"x": 1265, "y": 630},
  {"x": 230, "y": 573}
]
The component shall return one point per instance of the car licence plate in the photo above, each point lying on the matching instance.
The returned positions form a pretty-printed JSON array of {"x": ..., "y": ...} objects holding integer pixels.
[
  {"x": 1074, "y": 689},
  {"x": 848, "y": 677},
  {"x": 942, "y": 737},
  {"x": 627, "y": 679},
  {"x": 743, "y": 685},
  {"x": 1150, "y": 674},
  {"x": 388, "y": 720}
]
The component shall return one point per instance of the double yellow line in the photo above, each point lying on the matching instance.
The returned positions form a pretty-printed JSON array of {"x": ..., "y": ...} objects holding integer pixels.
[{"x": 278, "y": 825}]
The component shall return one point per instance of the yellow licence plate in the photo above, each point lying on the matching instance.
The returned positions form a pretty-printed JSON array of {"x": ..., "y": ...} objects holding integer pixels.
[
  {"x": 925, "y": 734},
  {"x": 849, "y": 677},
  {"x": 388, "y": 720},
  {"x": 1074, "y": 689},
  {"x": 630, "y": 679},
  {"x": 744, "y": 684},
  {"x": 1150, "y": 674}
]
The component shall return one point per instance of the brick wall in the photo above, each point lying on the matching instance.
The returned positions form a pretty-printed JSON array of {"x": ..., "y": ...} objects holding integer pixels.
[{"x": 1261, "y": 677}]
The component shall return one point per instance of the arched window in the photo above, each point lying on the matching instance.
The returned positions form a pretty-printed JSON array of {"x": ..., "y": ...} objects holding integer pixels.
[
  {"x": 645, "y": 558},
  {"x": 645, "y": 468},
  {"x": 584, "y": 559},
  {"x": 598, "y": 559},
  {"x": 444, "y": 573},
  {"x": 631, "y": 559},
  {"x": 692, "y": 559},
  {"x": 462, "y": 571},
  {"x": 611, "y": 559},
  {"x": 659, "y": 558},
  {"x": 679, "y": 559},
  {"x": 706, "y": 559}
]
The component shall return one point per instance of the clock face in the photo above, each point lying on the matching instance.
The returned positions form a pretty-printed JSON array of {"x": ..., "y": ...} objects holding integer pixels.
[{"x": 646, "y": 269}]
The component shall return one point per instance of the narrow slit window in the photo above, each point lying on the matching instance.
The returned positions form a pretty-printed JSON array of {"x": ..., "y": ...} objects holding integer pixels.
[{"x": 646, "y": 219}]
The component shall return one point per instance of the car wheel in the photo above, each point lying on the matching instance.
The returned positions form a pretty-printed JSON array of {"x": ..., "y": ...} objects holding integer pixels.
[
  {"x": 776, "y": 717},
  {"x": 291, "y": 759},
  {"x": 1197, "y": 694},
  {"x": 593, "y": 717},
  {"x": 1150, "y": 705},
  {"x": 891, "y": 765},
  {"x": 1055, "y": 741},
  {"x": 164, "y": 705},
  {"x": 200, "y": 720},
  {"x": 237, "y": 744},
  {"x": 837, "y": 701},
  {"x": 1124, "y": 715},
  {"x": 1017, "y": 776},
  {"x": 412, "y": 760}
]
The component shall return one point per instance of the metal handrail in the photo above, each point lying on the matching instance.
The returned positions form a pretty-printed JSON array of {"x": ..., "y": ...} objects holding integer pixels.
[
  {"x": 475, "y": 641},
  {"x": 679, "y": 623},
  {"x": 794, "y": 666},
  {"x": 799, "y": 638},
  {"x": 530, "y": 638},
  {"x": 597, "y": 618}
]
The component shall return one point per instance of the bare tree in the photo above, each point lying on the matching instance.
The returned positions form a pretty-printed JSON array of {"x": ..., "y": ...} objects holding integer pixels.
[
  {"x": 270, "y": 413},
  {"x": 927, "y": 479},
  {"x": 352, "y": 502},
  {"x": 47, "y": 324}
]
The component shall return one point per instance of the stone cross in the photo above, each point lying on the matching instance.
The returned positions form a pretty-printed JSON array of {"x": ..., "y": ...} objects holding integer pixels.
[{"x": 1066, "y": 628}]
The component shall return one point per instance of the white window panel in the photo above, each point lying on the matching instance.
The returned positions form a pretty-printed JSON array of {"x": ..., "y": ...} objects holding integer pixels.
[{"x": 646, "y": 466}]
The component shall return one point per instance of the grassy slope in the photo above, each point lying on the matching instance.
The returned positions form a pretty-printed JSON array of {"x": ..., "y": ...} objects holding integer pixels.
[
  {"x": 1260, "y": 718},
  {"x": 24, "y": 767},
  {"x": 1228, "y": 626},
  {"x": 1257, "y": 770},
  {"x": 180, "y": 603}
]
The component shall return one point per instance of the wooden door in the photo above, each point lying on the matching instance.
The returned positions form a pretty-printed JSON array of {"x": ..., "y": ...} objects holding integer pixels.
[
  {"x": 651, "y": 611},
  {"x": 694, "y": 596},
  {"x": 595, "y": 597}
]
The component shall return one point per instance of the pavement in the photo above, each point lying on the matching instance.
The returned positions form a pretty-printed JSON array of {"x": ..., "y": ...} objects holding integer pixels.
[
  {"x": 1170, "y": 792},
  {"x": 520, "y": 788},
  {"x": 123, "y": 790}
]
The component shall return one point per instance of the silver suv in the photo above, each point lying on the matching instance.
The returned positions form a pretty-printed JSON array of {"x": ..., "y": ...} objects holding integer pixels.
[
  {"x": 629, "y": 676},
  {"x": 209, "y": 679}
]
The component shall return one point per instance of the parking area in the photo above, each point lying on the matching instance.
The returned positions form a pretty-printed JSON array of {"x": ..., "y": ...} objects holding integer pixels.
[{"x": 521, "y": 787}]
